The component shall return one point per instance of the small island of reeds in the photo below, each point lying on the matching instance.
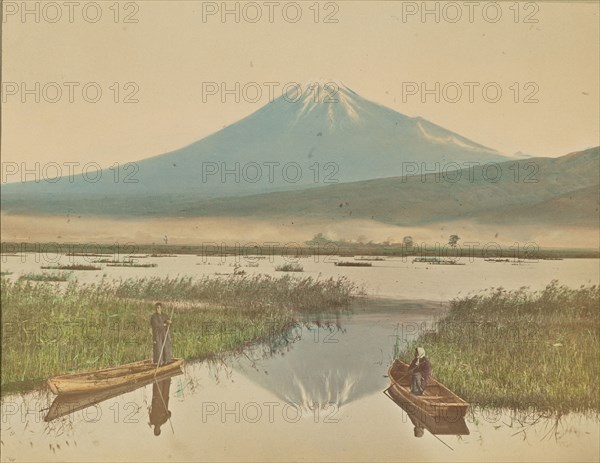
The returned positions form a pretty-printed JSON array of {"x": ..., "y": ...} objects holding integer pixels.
[
  {"x": 50, "y": 329},
  {"x": 521, "y": 349},
  {"x": 131, "y": 264},
  {"x": 353, "y": 264},
  {"x": 70, "y": 267},
  {"x": 289, "y": 267},
  {"x": 60, "y": 276}
]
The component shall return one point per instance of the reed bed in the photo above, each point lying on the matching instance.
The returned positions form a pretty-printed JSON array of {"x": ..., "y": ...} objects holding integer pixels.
[
  {"x": 246, "y": 292},
  {"x": 71, "y": 267},
  {"x": 353, "y": 264},
  {"x": 521, "y": 349},
  {"x": 290, "y": 267},
  {"x": 131, "y": 264},
  {"x": 50, "y": 328},
  {"x": 60, "y": 276}
]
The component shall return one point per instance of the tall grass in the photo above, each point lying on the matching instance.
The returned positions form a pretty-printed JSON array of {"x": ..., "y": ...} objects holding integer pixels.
[
  {"x": 246, "y": 292},
  {"x": 50, "y": 328},
  {"x": 521, "y": 349}
]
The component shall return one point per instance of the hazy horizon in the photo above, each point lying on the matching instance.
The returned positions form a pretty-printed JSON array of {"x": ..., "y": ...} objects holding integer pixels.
[{"x": 243, "y": 231}]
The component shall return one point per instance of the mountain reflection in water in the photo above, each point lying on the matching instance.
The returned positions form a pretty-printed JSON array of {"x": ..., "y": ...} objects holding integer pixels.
[
  {"x": 324, "y": 370},
  {"x": 334, "y": 361}
]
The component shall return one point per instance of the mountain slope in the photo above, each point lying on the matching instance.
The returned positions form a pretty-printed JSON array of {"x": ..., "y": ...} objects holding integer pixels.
[
  {"x": 579, "y": 207},
  {"x": 559, "y": 191},
  {"x": 328, "y": 135},
  {"x": 548, "y": 190}
]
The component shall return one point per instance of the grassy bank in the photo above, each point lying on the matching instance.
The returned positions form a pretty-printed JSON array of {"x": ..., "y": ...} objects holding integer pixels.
[
  {"x": 520, "y": 349},
  {"x": 49, "y": 328}
]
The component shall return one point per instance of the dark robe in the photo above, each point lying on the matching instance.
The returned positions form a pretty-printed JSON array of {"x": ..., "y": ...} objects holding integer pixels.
[
  {"x": 159, "y": 410},
  {"x": 423, "y": 367},
  {"x": 159, "y": 331}
]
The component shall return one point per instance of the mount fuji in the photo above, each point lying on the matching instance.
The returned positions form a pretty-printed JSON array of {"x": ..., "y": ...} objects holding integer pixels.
[{"x": 318, "y": 134}]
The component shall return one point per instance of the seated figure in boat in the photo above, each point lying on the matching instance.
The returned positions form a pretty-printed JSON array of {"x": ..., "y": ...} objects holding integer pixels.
[
  {"x": 161, "y": 337},
  {"x": 421, "y": 371}
]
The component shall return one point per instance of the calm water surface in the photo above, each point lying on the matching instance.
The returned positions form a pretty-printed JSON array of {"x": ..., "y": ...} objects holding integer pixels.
[
  {"x": 395, "y": 278},
  {"x": 315, "y": 396}
]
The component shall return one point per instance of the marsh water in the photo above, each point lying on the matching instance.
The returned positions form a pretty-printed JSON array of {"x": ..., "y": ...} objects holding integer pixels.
[
  {"x": 314, "y": 394},
  {"x": 395, "y": 277}
]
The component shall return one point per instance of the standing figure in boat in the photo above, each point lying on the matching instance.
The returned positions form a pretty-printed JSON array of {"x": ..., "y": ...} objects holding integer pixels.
[
  {"x": 159, "y": 410},
  {"x": 421, "y": 371},
  {"x": 161, "y": 337}
]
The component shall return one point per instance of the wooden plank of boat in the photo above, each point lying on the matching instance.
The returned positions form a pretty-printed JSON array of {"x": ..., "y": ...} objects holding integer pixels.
[
  {"x": 437, "y": 401},
  {"x": 435, "y": 425},
  {"x": 65, "y": 404},
  {"x": 110, "y": 377}
]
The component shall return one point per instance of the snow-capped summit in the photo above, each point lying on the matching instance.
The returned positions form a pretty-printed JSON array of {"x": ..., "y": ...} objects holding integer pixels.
[
  {"x": 334, "y": 98},
  {"x": 317, "y": 133}
]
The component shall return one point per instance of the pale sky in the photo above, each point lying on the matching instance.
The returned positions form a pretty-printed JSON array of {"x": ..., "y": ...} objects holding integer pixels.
[{"x": 170, "y": 52}]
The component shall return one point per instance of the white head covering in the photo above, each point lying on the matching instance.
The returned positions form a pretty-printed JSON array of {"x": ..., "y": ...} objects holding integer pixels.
[{"x": 420, "y": 352}]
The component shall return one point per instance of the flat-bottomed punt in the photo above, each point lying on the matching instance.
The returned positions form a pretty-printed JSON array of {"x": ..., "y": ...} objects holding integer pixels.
[
  {"x": 437, "y": 426},
  {"x": 110, "y": 377},
  {"x": 437, "y": 401},
  {"x": 65, "y": 404}
]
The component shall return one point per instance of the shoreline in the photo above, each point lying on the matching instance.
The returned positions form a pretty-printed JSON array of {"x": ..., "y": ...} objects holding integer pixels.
[
  {"x": 330, "y": 249},
  {"x": 86, "y": 327},
  {"x": 361, "y": 308},
  {"x": 494, "y": 328}
]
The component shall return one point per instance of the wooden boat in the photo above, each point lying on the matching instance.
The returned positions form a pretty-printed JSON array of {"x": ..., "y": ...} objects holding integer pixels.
[
  {"x": 437, "y": 402},
  {"x": 110, "y": 377},
  {"x": 435, "y": 425},
  {"x": 65, "y": 404}
]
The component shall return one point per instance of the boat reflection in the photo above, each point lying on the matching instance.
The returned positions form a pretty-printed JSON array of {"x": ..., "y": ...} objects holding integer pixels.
[
  {"x": 67, "y": 404},
  {"x": 159, "y": 410},
  {"x": 440, "y": 424}
]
